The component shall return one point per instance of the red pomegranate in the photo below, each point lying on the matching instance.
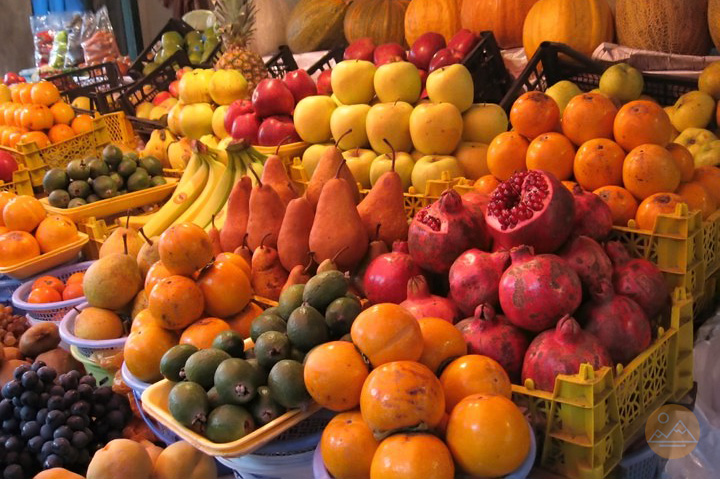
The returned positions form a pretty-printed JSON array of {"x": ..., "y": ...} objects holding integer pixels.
[
  {"x": 536, "y": 291},
  {"x": 589, "y": 260},
  {"x": 474, "y": 278},
  {"x": 387, "y": 276},
  {"x": 619, "y": 323},
  {"x": 494, "y": 336},
  {"x": 593, "y": 217},
  {"x": 7, "y": 166},
  {"x": 530, "y": 208},
  {"x": 441, "y": 231},
  {"x": 476, "y": 203},
  {"x": 422, "y": 304},
  {"x": 561, "y": 351},
  {"x": 638, "y": 279}
]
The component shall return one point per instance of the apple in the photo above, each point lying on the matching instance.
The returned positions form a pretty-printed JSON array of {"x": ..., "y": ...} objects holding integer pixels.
[
  {"x": 238, "y": 107},
  {"x": 272, "y": 97},
  {"x": 695, "y": 138},
  {"x": 404, "y": 165},
  {"x": 173, "y": 118},
  {"x": 472, "y": 158},
  {"x": 452, "y": 84},
  {"x": 335, "y": 100},
  {"x": 443, "y": 58},
  {"x": 324, "y": 84},
  {"x": 431, "y": 167},
  {"x": 312, "y": 118},
  {"x": 196, "y": 120},
  {"x": 11, "y": 78},
  {"x": 708, "y": 154},
  {"x": 352, "y": 81},
  {"x": 246, "y": 127},
  {"x": 397, "y": 81},
  {"x": 623, "y": 82},
  {"x": 709, "y": 80},
  {"x": 423, "y": 78},
  {"x": 193, "y": 86},
  {"x": 311, "y": 157},
  {"x": 226, "y": 86},
  {"x": 143, "y": 110},
  {"x": 562, "y": 92},
  {"x": 424, "y": 48},
  {"x": 169, "y": 102},
  {"x": 174, "y": 88},
  {"x": 416, "y": 154},
  {"x": 436, "y": 128},
  {"x": 182, "y": 71},
  {"x": 157, "y": 113},
  {"x": 360, "y": 49},
  {"x": 350, "y": 118},
  {"x": 463, "y": 42},
  {"x": 300, "y": 84},
  {"x": 277, "y": 130},
  {"x": 359, "y": 161},
  {"x": 161, "y": 97},
  {"x": 8, "y": 165},
  {"x": 694, "y": 109},
  {"x": 389, "y": 121},
  {"x": 218, "y": 122},
  {"x": 482, "y": 122},
  {"x": 389, "y": 52}
]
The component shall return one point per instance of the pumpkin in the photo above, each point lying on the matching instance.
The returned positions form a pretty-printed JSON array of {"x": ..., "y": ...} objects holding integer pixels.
[
  {"x": 503, "y": 17},
  {"x": 649, "y": 26},
  {"x": 441, "y": 16},
  {"x": 581, "y": 25},
  {"x": 381, "y": 20},
  {"x": 714, "y": 21},
  {"x": 315, "y": 25},
  {"x": 271, "y": 18}
]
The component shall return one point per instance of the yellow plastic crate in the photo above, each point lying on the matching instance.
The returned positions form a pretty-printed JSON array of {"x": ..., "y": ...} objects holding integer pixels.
[
  {"x": 21, "y": 183},
  {"x": 46, "y": 261},
  {"x": 286, "y": 152},
  {"x": 590, "y": 418}
]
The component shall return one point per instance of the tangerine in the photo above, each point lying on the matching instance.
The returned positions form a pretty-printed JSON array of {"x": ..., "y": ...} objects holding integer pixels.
[
  {"x": 641, "y": 122},
  {"x": 63, "y": 113},
  {"x": 44, "y": 295},
  {"x": 60, "y": 133},
  {"x": 533, "y": 114},
  {"x": 650, "y": 169},
  {"x": 598, "y": 163},
  {"x": 551, "y": 152},
  {"x": 486, "y": 184},
  {"x": 622, "y": 203},
  {"x": 506, "y": 154},
  {"x": 587, "y": 117},
  {"x": 44, "y": 93},
  {"x": 82, "y": 124},
  {"x": 49, "y": 282}
]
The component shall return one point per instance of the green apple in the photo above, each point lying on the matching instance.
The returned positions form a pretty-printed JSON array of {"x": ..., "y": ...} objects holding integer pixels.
[
  {"x": 352, "y": 82},
  {"x": 472, "y": 158},
  {"x": 562, "y": 92},
  {"x": 196, "y": 120},
  {"x": 404, "y": 165},
  {"x": 452, "y": 84},
  {"x": 694, "y": 109},
  {"x": 708, "y": 154},
  {"x": 390, "y": 121},
  {"x": 436, "y": 128},
  {"x": 312, "y": 118},
  {"x": 348, "y": 122},
  {"x": 695, "y": 138},
  {"x": 397, "y": 81},
  {"x": 431, "y": 167},
  {"x": 482, "y": 122},
  {"x": 359, "y": 161},
  {"x": 623, "y": 82},
  {"x": 311, "y": 157},
  {"x": 709, "y": 80}
]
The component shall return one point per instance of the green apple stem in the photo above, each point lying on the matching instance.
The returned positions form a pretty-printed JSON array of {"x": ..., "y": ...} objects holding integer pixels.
[
  {"x": 147, "y": 240},
  {"x": 393, "y": 152},
  {"x": 342, "y": 136}
]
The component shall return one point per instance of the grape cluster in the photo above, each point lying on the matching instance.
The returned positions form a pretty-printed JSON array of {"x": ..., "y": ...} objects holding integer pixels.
[
  {"x": 11, "y": 326},
  {"x": 55, "y": 421}
]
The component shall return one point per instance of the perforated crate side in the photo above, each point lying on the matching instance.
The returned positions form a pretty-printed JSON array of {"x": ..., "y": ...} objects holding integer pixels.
[
  {"x": 491, "y": 80},
  {"x": 159, "y": 80},
  {"x": 94, "y": 78},
  {"x": 281, "y": 63},
  {"x": 329, "y": 60}
]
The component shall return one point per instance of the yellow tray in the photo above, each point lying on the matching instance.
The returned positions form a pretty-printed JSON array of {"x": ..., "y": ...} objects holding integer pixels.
[
  {"x": 112, "y": 206},
  {"x": 287, "y": 152},
  {"x": 155, "y": 403},
  {"x": 46, "y": 261}
]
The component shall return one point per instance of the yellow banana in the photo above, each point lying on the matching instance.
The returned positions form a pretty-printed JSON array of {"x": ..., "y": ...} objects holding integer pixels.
[
  {"x": 216, "y": 172},
  {"x": 220, "y": 215},
  {"x": 218, "y": 198}
]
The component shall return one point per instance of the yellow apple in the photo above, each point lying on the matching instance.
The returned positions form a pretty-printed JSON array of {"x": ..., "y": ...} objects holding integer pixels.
[
  {"x": 196, "y": 120},
  {"x": 335, "y": 99},
  {"x": 404, "y": 165},
  {"x": 416, "y": 154},
  {"x": 436, "y": 128},
  {"x": 709, "y": 80},
  {"x": 173, "y": 118},
  {"x": 397, "y": 81},
  {"x": 218, "y": 122},
  {"x": 482, "y": 122},
  {"x": 349, "y": 118},
  {"x": 389, "y": 121},
  {"x": 226, "y": 86},
  {"x": 352, "y": 82},
  {"x": 157, "y": 113},
  {"x": 359, "y": 161},
  {"x": 623, "y": 82},
  {"x": 81, "y": 102},
  {"x": 472, "y": 158},
  {"x": 431, "y": 167},
  {"x": 562, "y": 92},
  {"x": 311, "y": 157},
  {"x": 451, "y": 84},
  {"x": 169, "y": 102},
  {"x": 143, "y": 110},
  {"x": 312, "y": 118},
  {"x": 694, "y": 109},
  {"x": 708, "y": 154},
  {"x": 695, "y": 138},
  {"x": 194, "y": 86}
]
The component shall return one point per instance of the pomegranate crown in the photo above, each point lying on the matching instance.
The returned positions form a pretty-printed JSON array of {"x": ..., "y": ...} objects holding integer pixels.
[{"x": 567, "y": 328}]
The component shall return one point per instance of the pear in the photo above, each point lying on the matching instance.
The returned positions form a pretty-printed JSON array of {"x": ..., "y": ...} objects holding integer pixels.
[
  {"x": 331, "y": 162},
  {"x": 148, "y": 254},
  {"x": 244, "y": 250},
  {"x": 299, "y": 274},
  {"x": 330, "y": 264},
  {"x": 337, "y": 225},
  {"x": 214, "y": 236},
  {"x": 375, "y": 249},
  {"x": 274, "y": 174},
  {"x": 112, "y": 281},
  {"x": 267, "y": 274},
  {"x": 383, "y": 209},
  {"x": 293, "y": 238},
  {"x": 238, "y": 209},
  {"x": 115, "y": 242},
  {"x": 267, "y": 211}
]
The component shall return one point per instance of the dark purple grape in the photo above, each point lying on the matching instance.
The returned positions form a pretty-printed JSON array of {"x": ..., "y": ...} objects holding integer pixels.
[
  {"x": 28, "y": 413},
  {"x": 80, "y": 439},
  {"x": 47, "y": 374},
  {"x": 89, "y": 434},
  {"x": 46, "y": 431},
  {"x": 41, "y": 415},
  {"x": 30, "y": 398},
  {"x": 17, "y": 402},
  {"x": 20, "y": 370},
  {"x": 30, "y": 380},
  {"x": 76, "y": 423},
  {"x": 61, "y": 446},
  {"x": 57, "y": 390},
  {"x": 85, "y": 391},
  {"x": 89, "y": 380},
  {"x": 13, "y": 471},
  {"x": 55, "y": 403},
  {"x": 12, "y": 389},
  {"x": 53, "y": 460},
  {"x": 14, "y": 443},
  {"x": 70, "y": 398},
  {"x": 67, "y": 381},
  {"x": 102, "y": 394},
  {"x": 80, "y": 408},
  {"x": 55, "y": 419},
  {"x": 37, "y": 365},
  {"x": 83, "y": 457},
  {"x": 44, "y": 396},
  {"x": 63, "y": 431},
  {"x": 35, "y": 443},
  {"x": 11, "y": 425},
  {"x": 116, "y": 419},
  {"x": 98, "y": 410},
  {"x": 12, "y": 457},
  {"x": 26, "y": 460},
  {"x": 46, "y": 449},
  {"x": 30, "y": 429},
  {"x": 6, "y": 409}
]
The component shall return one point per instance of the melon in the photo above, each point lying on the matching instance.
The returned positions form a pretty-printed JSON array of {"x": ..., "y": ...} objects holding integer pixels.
[
  {"x": 714, "y": 21},
  {"x": 316, "y": 25}
]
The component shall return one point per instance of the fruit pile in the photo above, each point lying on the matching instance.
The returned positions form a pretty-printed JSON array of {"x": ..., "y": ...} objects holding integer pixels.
[
  {"x": 34, "y": 113},
  {"x": 12, "y": 327},
  {"x": 49, "y": 289},
  {"x": 88, "y": 180},
  {"x": 198, "y": 45}
]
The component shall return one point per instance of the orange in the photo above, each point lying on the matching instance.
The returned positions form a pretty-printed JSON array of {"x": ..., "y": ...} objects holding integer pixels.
[
  {"x": 588, "y": 116},
  {"x": 44, "y": 295},
  {"x": 16, "y": 247},
  {"x": 44, "y": 93},
  {"x": 684, "y": 161},
  {"x": 533, "y": 114},
  {"x": 640, "y": 122},
  {"x": 202, "y": 333},
  {"x": 62, "y": 113},
  {"x": 36, "y": 117},
  {"x": 506, "y": 154},
  {"x": 442, "y": 342},
  {"x": 709, "y": 177},
  {"x": 412, "y": 456},
  {"x": 551, "y": 152},
  {"x": 473, "y": 374},
  {"x": 76, "y": 278},
  {"x": 622, "y": 203},
  {"x": 49, "y": 282},
  {"x": 37, "y": 137},
  {"x": 72, "y": 291},
  {"x": 697, "y": 198},
  {"x": 60, "y": 133},
  {"x": 650, "y": 169},
  {"x": 486, "y": 184},
  {"x": 23, "y": 213},
  {"x": 15, "y": 92},
  {"x": 334, "y": 375},
  {"x": 241, "y": 322},
  {"x": 18, "y": 115},
  {"x": 655, "y": 205},
  {"x": 82, "y": 124},
  {"x": 348, "y": 446},
  {"x": 26, "y": 93},
  {"x": 387, "y": 332},
  {"x": 598, "y": 163},
  {"x": 14, "y": 138},
  {"x": 54, "y": 232},
  {"x": 9, "y": 113}
]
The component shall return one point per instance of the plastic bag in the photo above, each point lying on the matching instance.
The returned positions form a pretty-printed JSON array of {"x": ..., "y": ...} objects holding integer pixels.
[
  {"x": 98, "y": 39},
  {"x": 75, "y": 55},
  {"x": 43, "y": 37},
  {"x": 59, "y": 50}
]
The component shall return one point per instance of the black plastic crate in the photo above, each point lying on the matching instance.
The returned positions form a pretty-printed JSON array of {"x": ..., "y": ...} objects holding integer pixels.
[
  {"x": 159, "y": 80},
  {"x": 85, "y": 81},
  {"x": 329, "y": 60},
  {"x": 281, "y": 63},
  {"x": 554, "y": 62},
  {"x": 144, "y": 128}
]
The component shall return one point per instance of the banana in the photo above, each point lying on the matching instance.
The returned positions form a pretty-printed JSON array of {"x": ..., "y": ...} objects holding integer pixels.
[
  {"x": 219, "y": 197},
  {"x": 220, "y": 215},
  {"x": 216, "y": 172},
  {"x": 191, "y": 168}
]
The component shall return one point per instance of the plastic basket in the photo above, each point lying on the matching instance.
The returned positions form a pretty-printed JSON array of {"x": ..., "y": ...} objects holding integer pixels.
[
  {"x": 281, "y": 63},
  {"x": 101, "y": 375},
  {"x": 46, "y": 261},
  {"x": 590, "y": 418},
  {"x": 285, "y": 152},
  {"x": 327, "y": 61},
  {"x": 87, "y": 81},
  {"x": 86, "y": 347},
  {"x": 641, "y": 464},
  {"x": 159, "y": 80},
  {"x": 21, "y": 183}
]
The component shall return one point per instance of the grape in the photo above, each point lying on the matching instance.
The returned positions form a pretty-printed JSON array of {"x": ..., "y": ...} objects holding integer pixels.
[
  {"x": 53, "y": 460},
  {"x": 47, "y": 374},
  {"x": 41, "y": 415},
  {"x": 98, "y": 410},
  {"x": 64, "y": 432},
  {"x": 102, "y": 394},
  {"x": 30, "y": 429},
  {"x": 55, "y": 403},
  {"x": 80, "y": 439},
  {"x": 89, "y": 434},
  {"x": 76, "y": 423},
  {"x": 57, "y": 391},
  {"x": 35, "y": 443},
  {"x": 89, "y": 380},
  {"x": 44, "y": 396},
  {"x": 10, "y": 425},
  {"x": 61, "y": 446},
  {"x": 83, "y": 457},
  {"x": 13, "y": 443},
  {"x": 80, "y": 408},
  {"x": 12, "y": 389},
  {"x": 116, "y": 419},
  {"x": 13, "y": 471},
  {"x": 17, "y": 402},
  {"x": 68, "y": 381},
  {"x": 30, "y": 379},
  {"x": 70, "y": 397},
  {"x": 12, "y": 457},
  {"x": 28, "y": 413},
  {"x": 30, "y": 398},
  {"x": 46, "y": 431},
  {"x": 85, "y": 391},
  {"x": 37, "y": 365},
  {"x": 6, "y": 409},
  {"x": 55, "y": 419},
  {"x": 20, "y": 370},
  {"x": 46, "y": 449}
]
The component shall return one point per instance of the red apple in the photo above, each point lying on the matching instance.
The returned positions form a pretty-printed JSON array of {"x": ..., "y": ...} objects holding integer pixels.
[
  {"x": 11, "y": 78},
  {"x": 174, "y": 88},
  {"x": 360, "y": 49},
  {"x": 237, "y": 108},
  {"x": 323, "y": 83},
  {"x": 388, "y": 53},
  {"x": 443, "y": 58},
  {"x": 277, "y": 130},
  {"x": 300, "y": 84},
  {"x": 246, "y": 127},
  {"x": 423, "y": 77},
  {"x": 424, "y": 48},
  {"x": 463, "y": 42},
  {"x": 161, "y": 97},
  {"x": 272, "y": 97},
  {"x": 179, "y": 74},
  {"x": 7, "y": 166}
]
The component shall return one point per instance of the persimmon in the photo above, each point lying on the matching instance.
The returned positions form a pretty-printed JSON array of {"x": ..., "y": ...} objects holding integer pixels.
[
  {"x": 506, "y": 154},
  {"x": 473, "y": 374},
  {"x": 38, "y": 137},
  {"x": 709, "y": 177},
  {"x": 486, "y": 184},
  {"x": 23, "y": 213},
  {"x": 650, "y": 169},
  {"x": 9, "y": 113},
  {"x": 44, "y": 294},
  {"x": 16, "y": 247},
  {"x": 411, "y": 456},
  {"x": 598, "y": 163},
  {"x": 551, "y": 152},
  {"x": 76, "y": 278},
  {"x": 641, "y": 122},
  {"x": 683, "y": 159},
  {"x": 82, "y": 124},
  {"x": 201, "y": 333},
  {"x": 347, "y": 446},
  {"x": 226, "y": 289},
  {"x": 26, "y": 93},
  {"x": 36, "y": 117},
  {"x": 143, "y": 319},
  {"x": 63, "y": 113},
  {"x": 241, "y": 322},
  {"x": 144, "y": 348},
  {"x": 60, "y": 133},
  {"x": 587, "y": 117},
  {"x": 72, "y": 291},
  {"x": 387, "y": 332},
  {"x": 334, "y": 375},
  {"x": 533, "y": 114},
  {"x": 697, "y": 198},
  {"x": 442, "y": 342},
  {"x": 49, "y": 282},
  {"x": 176, "y": 301},
  {"x": 44, "y": 93},
  {"x": 653, "y": 206},
  {"x": 185, "y": 248},
  {"x": 157, "y": 272},
  {"x": 54, "y": 232},
  {"x": 5, "y": 196},
  {"x": 622, "y": 203}
]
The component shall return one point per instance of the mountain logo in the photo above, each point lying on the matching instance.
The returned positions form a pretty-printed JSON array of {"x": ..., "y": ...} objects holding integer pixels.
[{"x": 672, "y": 431}]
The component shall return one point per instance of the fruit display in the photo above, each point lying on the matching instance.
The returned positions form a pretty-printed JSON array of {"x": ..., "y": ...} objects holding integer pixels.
[
  {"x": 50, "y": 289},
  {"x": 199, "y": 46},
  {"x": 87, "y": 180}
]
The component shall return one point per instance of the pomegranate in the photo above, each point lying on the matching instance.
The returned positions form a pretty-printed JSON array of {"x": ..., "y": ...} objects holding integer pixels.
[
  {"x": 618, "y": 322},
  {"x": 476, "y": 203},
  {"x": 561, "y": 351},
  {"x": 536, "y": 291},
  {"x": 589, "y": 260},
  {"x": 593, "y": 217},
  {"x": 7, "y": 166},
  {"x": 474, "y": 278},
  {"x": 495, "y": 337},
  {"x": 441, "y": 231},
  {"x": 422, "y": 304},
  {"x": 638, "y": 279},
  {"x": 386, "y": 277},
  {"x": 531, "y": 208}
]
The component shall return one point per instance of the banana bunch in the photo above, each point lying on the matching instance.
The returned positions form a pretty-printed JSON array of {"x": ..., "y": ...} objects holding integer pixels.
[{"x": 243, "y": 159}]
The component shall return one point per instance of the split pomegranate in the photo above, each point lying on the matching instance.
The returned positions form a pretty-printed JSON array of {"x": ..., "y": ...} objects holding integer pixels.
[
  {"x": 593, "y": 216},
  {"x": 386, "y": 277},
  {"x": 589, "y": 260},
  {"x": 532, "y": 208},
  {"x": 422, "y": 304},
  {"x": 439, "y": 233},
  {"x": 561, "y": 351},
  {"x": 536, "y": 291},
  {"x": 494, "y": 336},
  {"x": 638, "y": 279},
  {"x": 619, "y": 323},
  {"x": 475, "y": 276}
]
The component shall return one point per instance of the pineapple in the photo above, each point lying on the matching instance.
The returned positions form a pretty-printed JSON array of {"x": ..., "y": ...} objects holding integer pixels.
[{"x": 236, "y": 24}]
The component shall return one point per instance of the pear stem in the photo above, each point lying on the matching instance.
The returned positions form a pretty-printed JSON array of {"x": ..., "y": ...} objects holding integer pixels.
[
  {"x": 339, "y": 253},
  {"x": 147, "y": 240},
  {"x": 337, "y": 173},
  {"x": 342, "y": 136},
  {"x": 125, "y": 242},
  {"x": 377, "y": 231},
  {"x": 393, "y": 152},
  {"x": 127, "y": 219},
  {"x": 282, "y": 142},
  {"x": 212, "y": 221},
  {"x": 262, "y": 241},
  {"x": 311, "y": 259}
]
